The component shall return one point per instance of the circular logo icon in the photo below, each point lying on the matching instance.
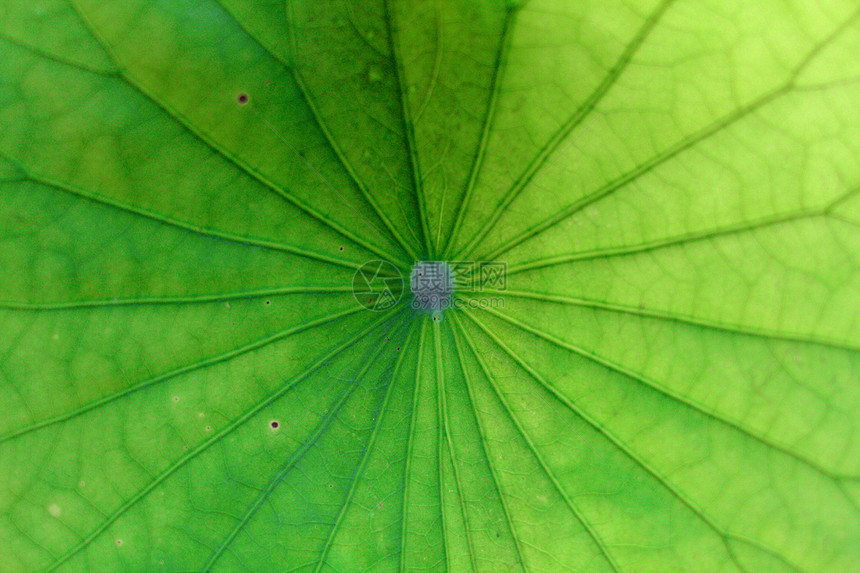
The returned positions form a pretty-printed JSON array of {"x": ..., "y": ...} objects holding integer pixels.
[{"x": 377, "y": 285}]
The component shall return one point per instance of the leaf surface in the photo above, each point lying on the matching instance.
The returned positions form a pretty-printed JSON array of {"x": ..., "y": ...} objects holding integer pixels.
[{"x": 667, "y": 381}]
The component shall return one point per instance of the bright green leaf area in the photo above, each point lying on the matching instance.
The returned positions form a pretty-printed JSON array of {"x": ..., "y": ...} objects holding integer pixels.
[{"x": 669, "y": 383}]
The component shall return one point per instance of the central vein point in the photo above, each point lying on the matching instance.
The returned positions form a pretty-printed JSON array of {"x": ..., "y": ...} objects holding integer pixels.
[{"x": 432, "y": 284}]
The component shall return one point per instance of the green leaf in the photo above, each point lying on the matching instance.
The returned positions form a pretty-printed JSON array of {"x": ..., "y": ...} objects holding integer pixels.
[{"x": 198, "y": 372}]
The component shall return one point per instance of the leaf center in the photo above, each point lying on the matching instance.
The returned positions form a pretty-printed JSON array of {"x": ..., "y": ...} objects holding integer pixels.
[{"x": 432, "y": 285}]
